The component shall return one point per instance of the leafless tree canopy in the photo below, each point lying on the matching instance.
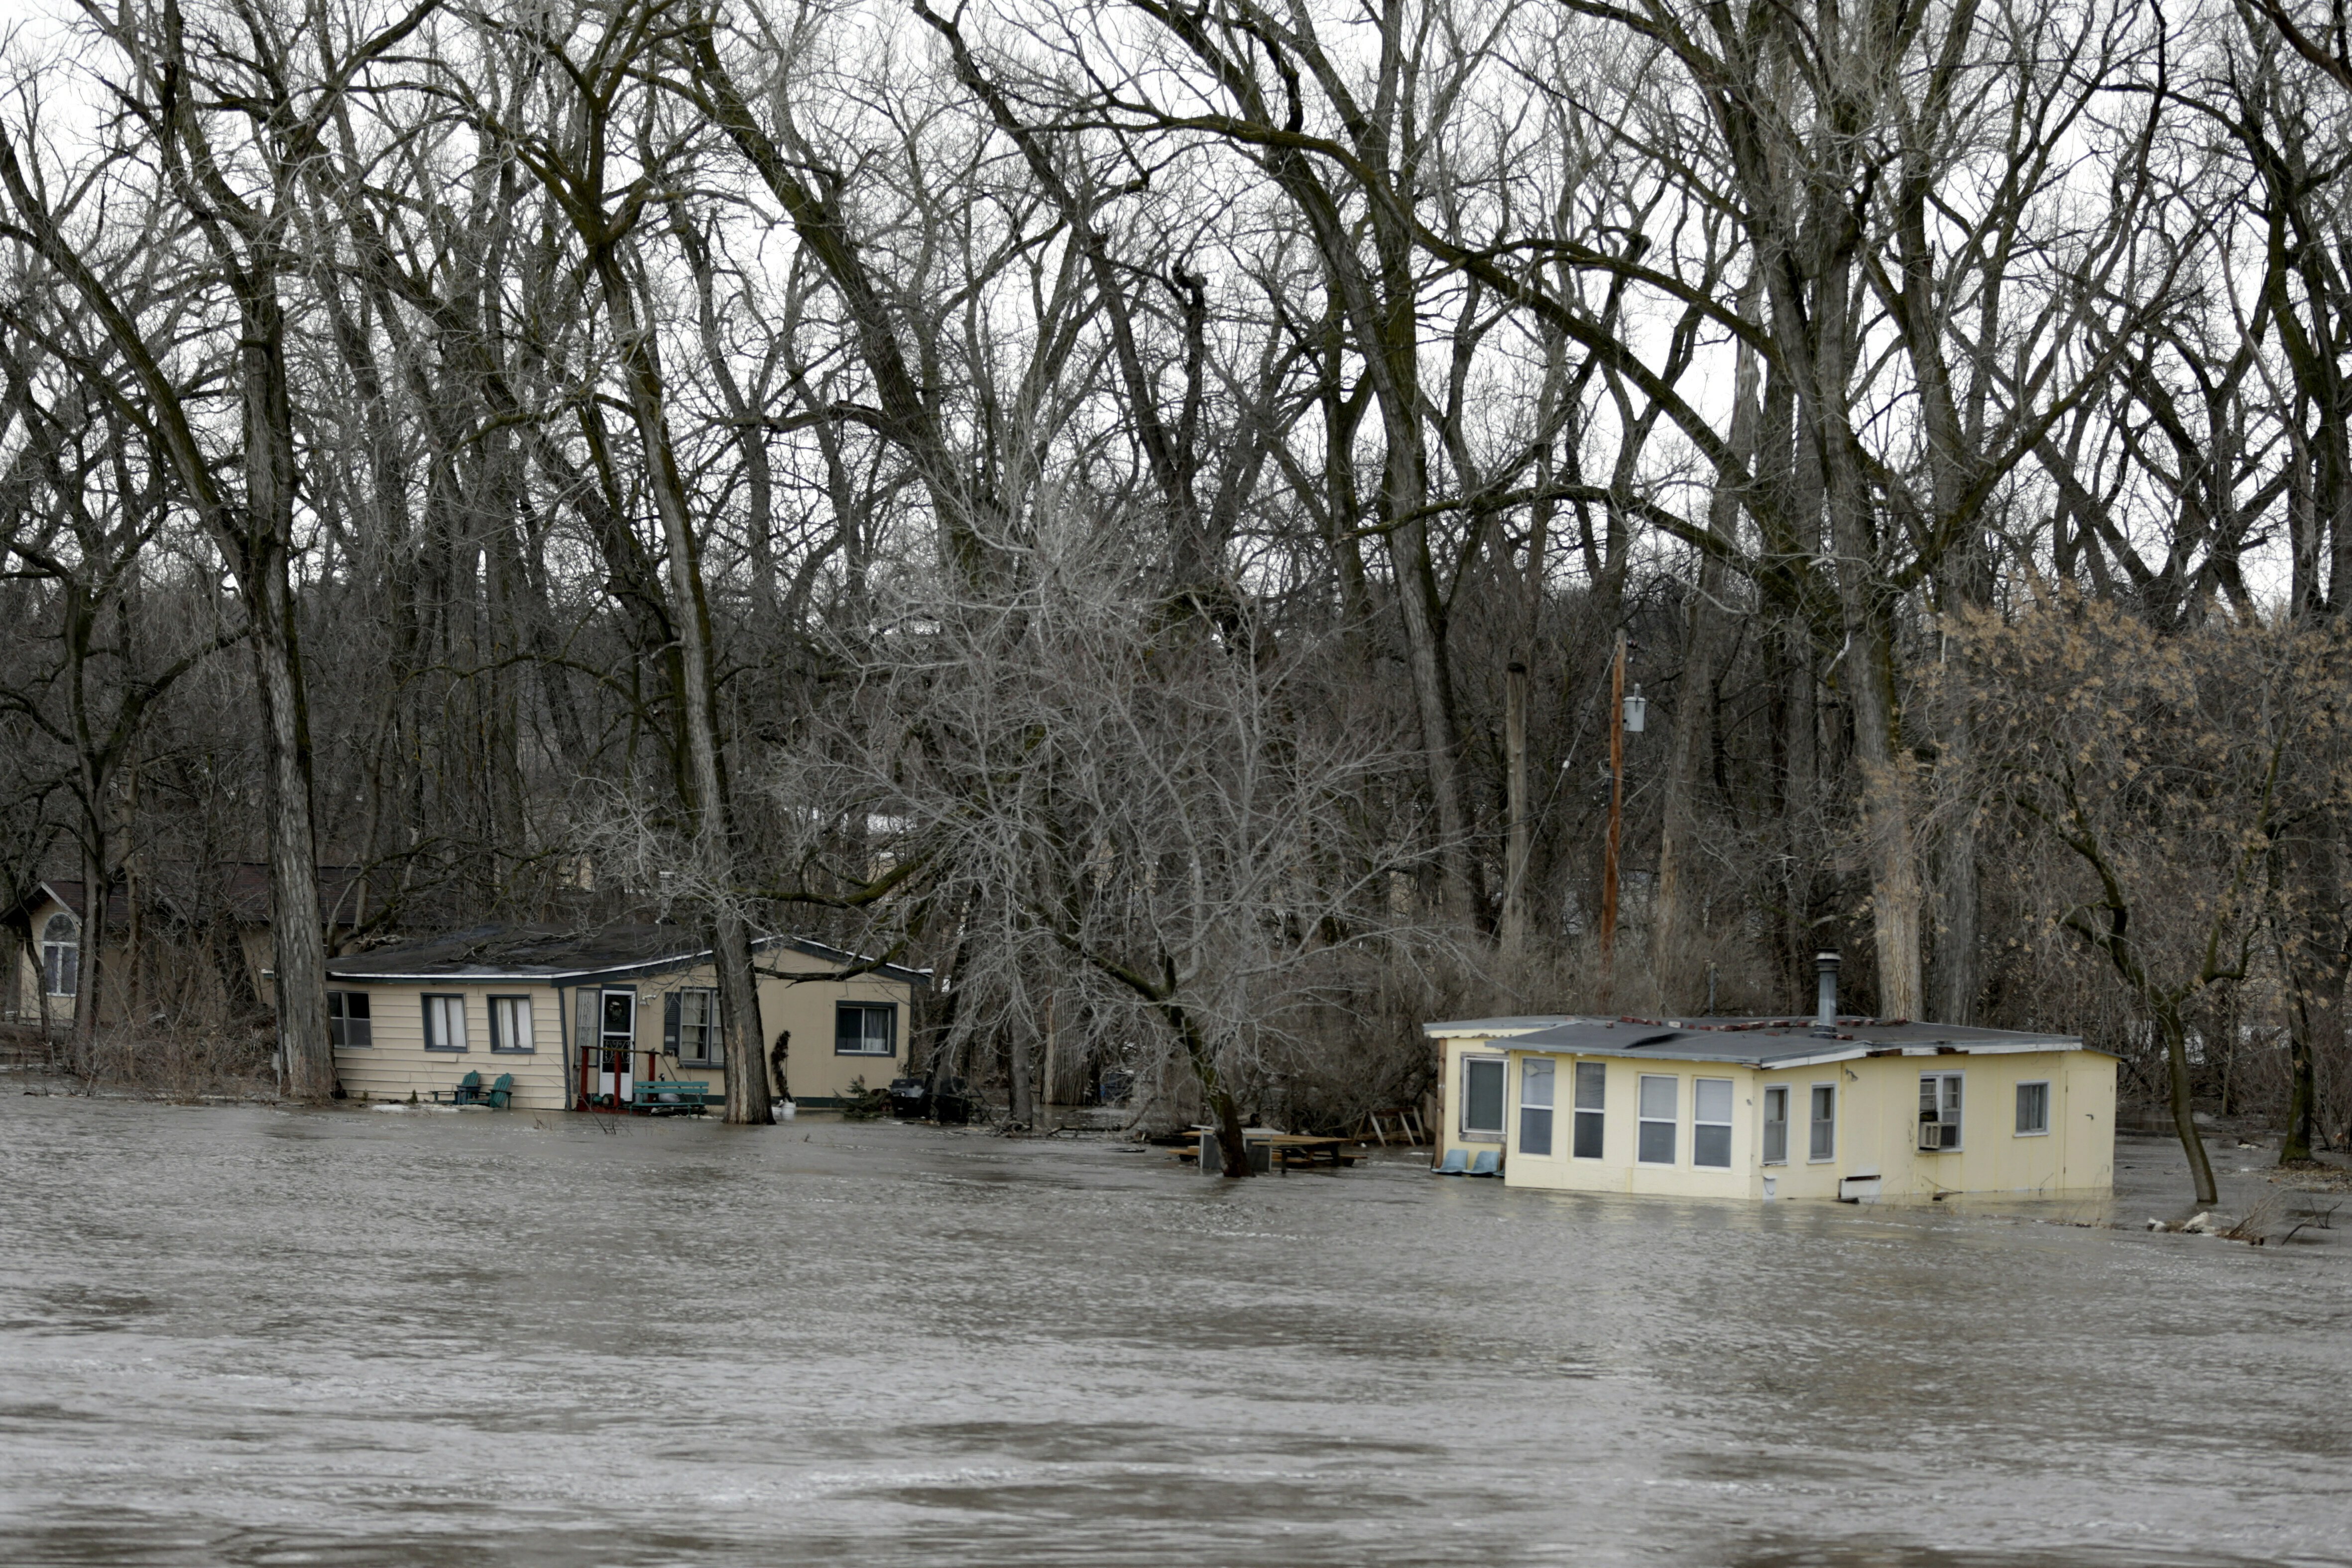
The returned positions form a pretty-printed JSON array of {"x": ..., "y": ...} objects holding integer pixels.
[{"x": 1056, "y": 493}]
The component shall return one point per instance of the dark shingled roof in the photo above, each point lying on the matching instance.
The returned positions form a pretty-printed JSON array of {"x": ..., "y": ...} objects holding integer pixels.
[{"x": 546, "y": 953}]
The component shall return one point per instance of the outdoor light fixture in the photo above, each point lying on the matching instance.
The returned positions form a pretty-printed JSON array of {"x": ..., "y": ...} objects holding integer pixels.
[{"x": 1637, "y": 709}]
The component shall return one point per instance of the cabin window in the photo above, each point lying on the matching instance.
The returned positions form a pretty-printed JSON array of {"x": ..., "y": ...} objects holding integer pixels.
[
  {"x": 445, "y": 1023},
  {"x": 2032, "y": 1110},
  {"x": 1481, "y": 1096},
  {"x": 1535, "y": 1105},
  {"x": 1824, "y": 1141},
  {"x": 1776, "y": 1124},
  {"x": 348, "y": 1022},
  {"x": 865, "y": 1029},
  {"x": 60, "y": 955},
  {"x": 699, "y": 1041},
  {"x": 1711, "y": 1122},
  {"x": 1656, "y": 1142},
  {"x": 510, "y": 1024},
  {"x": 1939, "y": 1110},
  {"x": 1591, "y": 1099}
]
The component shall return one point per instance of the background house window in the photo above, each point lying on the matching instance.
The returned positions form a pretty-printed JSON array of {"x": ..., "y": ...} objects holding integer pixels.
[
  {"x": 1592, "y": 1103},
  {"x": 1940, "y": 1110},
  {"x": 1824, "y": 1143},
  {"x": 865, "y": 1029},
  {"x": 1711, "y": 1122},
  {"x": 1535, "y": 1105},
  {"x": 60, "y": 955},
  {"x": 445, "y": 1023},
  {"x": 698, "y": 1040},
  {"x": 2033, "y": 1109},
  {"x": 1481, "y": 1096},
  {"x": 1658, "y": 1099},
  {"x": 1776, "y": 1126},
  {"x": 348, "y": 1022},
  {"x": 510, "y": 1024}
]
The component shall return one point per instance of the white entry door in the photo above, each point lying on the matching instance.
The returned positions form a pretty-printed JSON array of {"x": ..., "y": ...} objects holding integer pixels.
[{"x": 615, "y": 1070}]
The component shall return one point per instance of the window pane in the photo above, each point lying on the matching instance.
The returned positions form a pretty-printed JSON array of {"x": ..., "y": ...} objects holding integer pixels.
[
  {"x": 356, "y": 1004},
  {"x": 1711, "y": 1145},
  {"x": 2034, "y": 1107},
  {"x": 1588, "y": 1134},
  {"x": 620, "y": 1012},
  {"x": 1927, "y": 1095},
  {"x": 1482, "y": 1095},
  {"x": 1711, "y": 1099},
  {"x": 1658, "y": 1096},
  {"x": 1951, "y": 1097},
  {"x": 1824, "y": 1140},
  {"x": 1534, "y": 1083},
  {"x": 1775, "y": 1143},
  {"x": 1535, "y": 1130},
  {"x": 1657, "y": 1144},
  {"x": 1592, "y": 1085},
  {"x": 511, "y": 1028}
]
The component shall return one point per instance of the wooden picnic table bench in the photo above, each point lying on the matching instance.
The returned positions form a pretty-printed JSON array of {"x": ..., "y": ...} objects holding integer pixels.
[{"x": 680, "y": 1095}]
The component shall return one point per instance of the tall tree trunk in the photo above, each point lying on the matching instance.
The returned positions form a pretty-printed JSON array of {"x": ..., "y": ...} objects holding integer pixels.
[
  {"x": 703, "y": 781},
  {"x": 1673, "y": 953}
]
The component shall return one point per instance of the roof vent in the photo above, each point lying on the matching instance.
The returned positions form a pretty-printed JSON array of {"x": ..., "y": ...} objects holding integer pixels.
[{"x": 1825, "y": 965}]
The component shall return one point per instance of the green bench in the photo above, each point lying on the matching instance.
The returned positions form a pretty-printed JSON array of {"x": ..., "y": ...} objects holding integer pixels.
[
  {"x": 470, "y": 1091},
  {"x": 687, "y": 1096}
]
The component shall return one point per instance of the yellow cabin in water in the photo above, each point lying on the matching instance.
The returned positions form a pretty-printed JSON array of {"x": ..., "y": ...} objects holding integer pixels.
[
  {"x": 582, "y": 1019},
  {"x": 1776, "y": 1108}
]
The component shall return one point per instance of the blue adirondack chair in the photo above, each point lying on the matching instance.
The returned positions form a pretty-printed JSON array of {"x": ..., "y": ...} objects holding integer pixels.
[
  {"x": 1488, "y": 1162},
  {"x": 1451, "y": 1164}
]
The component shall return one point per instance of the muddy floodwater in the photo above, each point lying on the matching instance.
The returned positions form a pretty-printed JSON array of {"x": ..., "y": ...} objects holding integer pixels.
[{"x": 246, "y": 1335}]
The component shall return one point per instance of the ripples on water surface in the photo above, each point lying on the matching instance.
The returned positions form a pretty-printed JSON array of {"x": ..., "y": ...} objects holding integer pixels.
[{"x": 255, "y": 1337}]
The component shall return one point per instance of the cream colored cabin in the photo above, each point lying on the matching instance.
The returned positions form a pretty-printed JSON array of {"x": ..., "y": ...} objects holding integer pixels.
[
  {"x": 1772, "y": 1108},
  {"x": 583, "y": 1018}
]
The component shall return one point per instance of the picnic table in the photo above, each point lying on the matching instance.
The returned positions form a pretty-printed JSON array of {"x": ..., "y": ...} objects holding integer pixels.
[
  {"x": 676, "y": 1096},
  {"x": 1283, "y": 1150}
]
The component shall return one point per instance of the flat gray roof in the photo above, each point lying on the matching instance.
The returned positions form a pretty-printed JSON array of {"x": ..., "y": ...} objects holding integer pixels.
[{"x": 1776, "y": 1041}]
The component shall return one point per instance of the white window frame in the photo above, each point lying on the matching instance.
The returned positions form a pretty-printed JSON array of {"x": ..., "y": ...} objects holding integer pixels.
[
  {"x": 1946, "y": 1115},
  {"x": 1597, "y": 1110},
  {"x": 1764, "y": 1143},
  {"x": 875, "y": 1055},
  {"x": 436, "y": 1037},
  {"x": 1503, "y": 1101},
  {"x": 1533, "y": 1071},
  {"x": 704, "y": 1055},
  {"x": 1813, "y": 1120},
  {"x": 1644, "y": 1121},
  {"x": 2043, "y": 1084},
  {"x": 1730, "y": 1099},
  {"x": 60, "y": 955},
  {"x": 503, "y": 1004}
]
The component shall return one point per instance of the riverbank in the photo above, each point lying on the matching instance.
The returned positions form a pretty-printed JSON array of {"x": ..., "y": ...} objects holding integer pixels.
[{"x": 246, "y": 1335}]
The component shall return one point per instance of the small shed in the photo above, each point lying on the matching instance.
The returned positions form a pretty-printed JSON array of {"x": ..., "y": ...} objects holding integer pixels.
[
  {"x": 580, "y": 1018},
  {"x": 1778, "y": 1108}
]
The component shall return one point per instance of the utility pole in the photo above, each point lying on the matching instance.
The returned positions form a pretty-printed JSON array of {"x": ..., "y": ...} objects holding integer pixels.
[
  {"x": 1616, "y": 824},
  {"x": 1515, "y": 778}
]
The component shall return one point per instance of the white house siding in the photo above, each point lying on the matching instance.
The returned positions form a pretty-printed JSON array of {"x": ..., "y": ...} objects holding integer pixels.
[
  {"x": 1877, "y": 1121},
  {"x": 398, "y": 1063}
]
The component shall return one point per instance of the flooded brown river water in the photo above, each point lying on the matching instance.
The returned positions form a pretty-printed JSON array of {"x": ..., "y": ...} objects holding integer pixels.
[{"x": 250, "y": 1336}]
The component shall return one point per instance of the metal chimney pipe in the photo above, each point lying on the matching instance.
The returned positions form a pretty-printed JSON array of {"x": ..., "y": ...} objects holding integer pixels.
[{"x": 1825, "y": 1008}]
